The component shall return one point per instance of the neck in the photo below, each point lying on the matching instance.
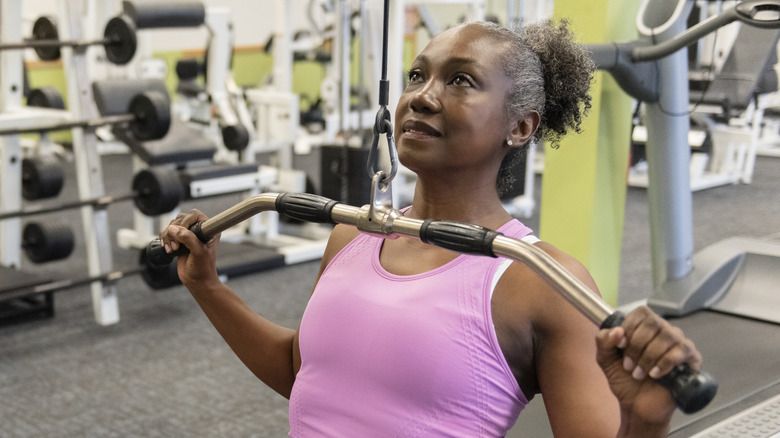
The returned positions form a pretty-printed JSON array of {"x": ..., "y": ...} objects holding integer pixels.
[{"x": 463, "y": 202}]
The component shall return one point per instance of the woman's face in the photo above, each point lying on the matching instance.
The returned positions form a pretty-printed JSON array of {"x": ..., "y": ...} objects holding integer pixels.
[{"x": 452, "y": 115}]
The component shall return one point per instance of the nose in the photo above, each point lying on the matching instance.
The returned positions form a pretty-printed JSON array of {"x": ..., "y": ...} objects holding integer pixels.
[{"x": 425, "y": 98}]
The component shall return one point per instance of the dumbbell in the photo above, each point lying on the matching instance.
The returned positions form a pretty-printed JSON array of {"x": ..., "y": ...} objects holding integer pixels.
[
  {"x": 119, "y": 36},
  {"x": 45, "y": 97},
  {"x": 155, "y": 191},
  {"x": 47, "y": 241},
  {"x": 119, "y": 40},
  {"x": 148, "y": 115},
  {"x": 42, "y": 175}
]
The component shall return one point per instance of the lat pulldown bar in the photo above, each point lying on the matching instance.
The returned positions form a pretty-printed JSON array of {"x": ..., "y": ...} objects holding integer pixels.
[{"x": 690, "y": 389}]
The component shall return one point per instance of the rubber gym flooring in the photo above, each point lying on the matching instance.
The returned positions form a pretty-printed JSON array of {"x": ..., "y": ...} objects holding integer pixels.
[{"x": 163, "y": 371}]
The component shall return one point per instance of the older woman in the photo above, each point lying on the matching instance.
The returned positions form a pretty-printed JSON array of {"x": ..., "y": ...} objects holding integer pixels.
[{"x": 401, "y": 338}]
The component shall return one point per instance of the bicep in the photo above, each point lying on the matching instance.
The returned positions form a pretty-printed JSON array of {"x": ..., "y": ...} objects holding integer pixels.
[{"x": 575, "y": 390}]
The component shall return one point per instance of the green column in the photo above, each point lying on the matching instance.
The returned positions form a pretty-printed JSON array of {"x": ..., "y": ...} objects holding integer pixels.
[{"x": 584, "y": 181}]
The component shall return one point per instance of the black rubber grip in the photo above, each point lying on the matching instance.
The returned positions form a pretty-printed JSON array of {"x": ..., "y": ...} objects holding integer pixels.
[
  {"x": 147, "y": 15},
  {"x": 458, "y": 236},
  {"x": 306, "y": 207},
  {"x": 157, "y": 257},
  {"x": 691, "y": 390}
]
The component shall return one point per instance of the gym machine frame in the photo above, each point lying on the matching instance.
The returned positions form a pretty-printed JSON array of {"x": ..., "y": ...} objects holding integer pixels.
[
  {"x": 683, "y": 283},
  {"x": 86, "y": 157},
  {"x": 232, "y": 116}
]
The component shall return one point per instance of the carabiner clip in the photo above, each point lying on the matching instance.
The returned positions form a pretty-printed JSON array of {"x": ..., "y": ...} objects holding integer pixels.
[{"x": 382, "y": 125}]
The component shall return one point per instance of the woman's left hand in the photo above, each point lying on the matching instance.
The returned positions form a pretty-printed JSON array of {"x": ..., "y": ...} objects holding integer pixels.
[{"x": 643, "y": 348}]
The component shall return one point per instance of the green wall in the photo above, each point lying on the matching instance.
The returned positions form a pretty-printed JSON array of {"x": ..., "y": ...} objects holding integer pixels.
[{"x": 584, "y": 181}]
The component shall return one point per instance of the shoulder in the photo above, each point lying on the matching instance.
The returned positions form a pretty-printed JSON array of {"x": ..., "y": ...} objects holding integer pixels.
[
  {"x": 339, "y": 238},
  {"x": 521, "y": 286}
]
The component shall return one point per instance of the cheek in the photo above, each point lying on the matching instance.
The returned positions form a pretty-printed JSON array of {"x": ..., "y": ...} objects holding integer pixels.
[
  {"x": 487, "y": 119},
  {"x": 399, "y": 113}
]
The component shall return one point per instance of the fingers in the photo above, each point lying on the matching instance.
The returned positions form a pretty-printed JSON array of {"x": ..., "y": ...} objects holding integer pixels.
[
  {"x": 177, "y": 232},
  {"x": 653, "y": 347}
]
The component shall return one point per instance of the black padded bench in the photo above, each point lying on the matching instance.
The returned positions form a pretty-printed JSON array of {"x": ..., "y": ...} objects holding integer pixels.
[{"x": 180, "y": 146}]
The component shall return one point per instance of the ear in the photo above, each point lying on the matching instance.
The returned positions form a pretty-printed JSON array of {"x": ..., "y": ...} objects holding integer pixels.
[{"x": 524, "y": 128}]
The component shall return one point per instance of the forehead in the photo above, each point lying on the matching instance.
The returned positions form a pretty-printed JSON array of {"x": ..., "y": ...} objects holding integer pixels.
[{"x": 466, "y": 41}]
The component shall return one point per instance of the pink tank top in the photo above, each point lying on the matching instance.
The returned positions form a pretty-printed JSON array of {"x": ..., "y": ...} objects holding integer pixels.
[{"x": 403, "y": 356}]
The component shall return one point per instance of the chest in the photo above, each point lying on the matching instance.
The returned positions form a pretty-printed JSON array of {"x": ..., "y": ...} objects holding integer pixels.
[
  {"x": 425, "y": 334},
  {"x": 408, "y": 257}
]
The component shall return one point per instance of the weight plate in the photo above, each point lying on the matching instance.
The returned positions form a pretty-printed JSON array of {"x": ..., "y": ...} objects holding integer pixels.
[
  {"x": 45, "y": 28},
  {"x": 158, "y": 277},
  {"x": 45, "y": 97},
  {"x": 152, "y": 115},
  {"x": 188, "y": 69},
  {"x": 157, "y": 190},
  {"x": 44, "y": 242},
  {"x": 42, "y": 177},
  {"x": 121, "y": 39},
  {"x": 235, "y": 137}
]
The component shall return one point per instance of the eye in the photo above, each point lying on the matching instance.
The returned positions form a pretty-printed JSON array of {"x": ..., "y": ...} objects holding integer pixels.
[
  {"x": 414, "y": 76},
  {"x": 461, "y": 80}
]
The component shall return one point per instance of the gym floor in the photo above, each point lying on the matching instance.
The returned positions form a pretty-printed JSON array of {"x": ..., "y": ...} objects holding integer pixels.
[{"x": 164, "y": 371}]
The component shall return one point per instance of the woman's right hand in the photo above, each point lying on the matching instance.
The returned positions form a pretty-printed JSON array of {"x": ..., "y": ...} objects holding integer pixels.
[{"x": 197, "y": 268}]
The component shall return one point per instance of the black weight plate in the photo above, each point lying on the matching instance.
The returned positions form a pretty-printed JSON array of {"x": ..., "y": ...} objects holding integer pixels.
[
  {"x": 188, "y": 69},
  {"x": 45, "y": 28},
  {"x": 45, "y": 97},
  {"x": 152, "y": 115},
  {"x": 157, "y": 190},
  {"x": 121, "y": 39},
  {"x": 44, "y": 242},
  {"x": 235, "y": 137},
  {"x": 158, "y": 277},
  {"x": 42, "y": 177}
]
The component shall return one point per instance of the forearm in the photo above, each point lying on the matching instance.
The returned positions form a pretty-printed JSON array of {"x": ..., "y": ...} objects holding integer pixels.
[{"x": 264, "y": 347}]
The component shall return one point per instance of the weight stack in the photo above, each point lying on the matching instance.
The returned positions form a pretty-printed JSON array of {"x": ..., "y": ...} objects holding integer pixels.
[{"x": 327, "y": 171}]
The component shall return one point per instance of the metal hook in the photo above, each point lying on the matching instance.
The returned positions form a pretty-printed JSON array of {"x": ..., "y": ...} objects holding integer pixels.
[{"x": 382, "y": 125}]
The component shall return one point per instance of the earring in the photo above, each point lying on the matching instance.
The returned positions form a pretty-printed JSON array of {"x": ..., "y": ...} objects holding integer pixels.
[{"x": 509, "y": 142}]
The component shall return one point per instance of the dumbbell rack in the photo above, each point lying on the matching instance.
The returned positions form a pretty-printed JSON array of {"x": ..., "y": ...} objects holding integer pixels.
[{"x": 85, "y": 151}]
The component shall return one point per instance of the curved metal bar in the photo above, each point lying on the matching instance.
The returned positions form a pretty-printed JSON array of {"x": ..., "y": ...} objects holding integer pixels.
[
  {"x": 381, "y": 220},
  {"x": 759, "y": 13},
  {"x": 690, "y": 389},
  {"x": 660, "y": 50}
]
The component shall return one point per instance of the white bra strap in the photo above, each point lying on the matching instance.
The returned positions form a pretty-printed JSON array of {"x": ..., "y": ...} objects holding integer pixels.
[
  {"x": 504, "y": 263},
  {"x": 531, "y": 239}
]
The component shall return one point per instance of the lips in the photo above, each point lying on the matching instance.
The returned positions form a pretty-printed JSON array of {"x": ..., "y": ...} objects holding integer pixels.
[{"x": 418, "y": 128}]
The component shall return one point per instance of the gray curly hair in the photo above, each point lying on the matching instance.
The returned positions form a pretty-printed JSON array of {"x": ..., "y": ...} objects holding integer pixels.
[{"x": 552, "y": 76}]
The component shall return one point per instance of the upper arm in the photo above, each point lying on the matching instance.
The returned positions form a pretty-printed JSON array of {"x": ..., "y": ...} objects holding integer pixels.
[{"x": 575, "y": 390}]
